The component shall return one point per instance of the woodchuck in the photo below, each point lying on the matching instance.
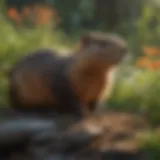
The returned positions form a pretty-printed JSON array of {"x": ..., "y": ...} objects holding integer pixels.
[{"x": 44, "y": 81}]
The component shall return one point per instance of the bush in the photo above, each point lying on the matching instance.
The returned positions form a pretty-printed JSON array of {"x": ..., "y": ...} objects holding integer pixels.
[{"x": 137, "y": 90}]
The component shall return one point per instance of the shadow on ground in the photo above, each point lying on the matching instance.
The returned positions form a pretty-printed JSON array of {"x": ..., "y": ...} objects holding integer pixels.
[{"x": 110, "y": 136}]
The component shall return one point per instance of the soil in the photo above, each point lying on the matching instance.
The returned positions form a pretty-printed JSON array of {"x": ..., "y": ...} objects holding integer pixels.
[
  {"x": 109, "y": 135},
  {"x": 115, "y": 136},
  {"x": 117, "y": 130}
]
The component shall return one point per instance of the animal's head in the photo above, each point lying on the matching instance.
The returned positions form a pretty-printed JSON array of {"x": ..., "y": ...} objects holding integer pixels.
[{"x": 106, "y": 47}]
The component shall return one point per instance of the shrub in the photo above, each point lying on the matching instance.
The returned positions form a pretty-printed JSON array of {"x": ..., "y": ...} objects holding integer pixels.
[{"x": 137, "y": 90}]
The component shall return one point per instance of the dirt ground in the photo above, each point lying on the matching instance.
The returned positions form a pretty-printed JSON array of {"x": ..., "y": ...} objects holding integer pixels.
[
  {"x": 117, "y": 130},
  {"x": 115, "y": 136},
  {"x": 109, "y": 135}
]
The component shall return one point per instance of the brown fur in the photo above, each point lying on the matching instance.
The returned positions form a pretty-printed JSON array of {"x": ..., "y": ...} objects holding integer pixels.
[
  {"x": 90, "y": 75},
  {"x": 44, "y": 79},
  {"x": 41, "y": 93},
  {"x": 28, "y": 84}
]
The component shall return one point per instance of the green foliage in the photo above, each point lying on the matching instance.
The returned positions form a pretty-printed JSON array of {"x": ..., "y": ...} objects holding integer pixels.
[
  {"x": 137, "y": 90},
  {"x": 149, "y": 142},
  {"x": 142, "y": 31},
  {"x": 149, "y": 25}
]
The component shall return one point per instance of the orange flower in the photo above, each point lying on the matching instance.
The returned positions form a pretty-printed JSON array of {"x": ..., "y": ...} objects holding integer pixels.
[
  {"x": 151, "y": 51},
  {"x": 143, "y": 62},
  {"x": 12, "y": 12},
  {"x": 43, "y": 15},
  {"x": 155, "y": 65},
  {"x": 14, "y": 15}
]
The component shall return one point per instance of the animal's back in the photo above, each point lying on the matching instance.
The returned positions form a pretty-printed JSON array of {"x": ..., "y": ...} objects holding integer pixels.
[
  {"x": 30, "y": 79},
  {"x": 35, "y": 61}
]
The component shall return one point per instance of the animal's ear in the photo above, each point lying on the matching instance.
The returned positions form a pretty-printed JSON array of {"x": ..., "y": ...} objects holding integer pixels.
[{"x": 83, "y": 43}]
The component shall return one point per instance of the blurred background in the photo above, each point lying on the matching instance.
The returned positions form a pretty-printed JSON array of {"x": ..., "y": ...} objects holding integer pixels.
[{"x": 26, "y": 25}]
